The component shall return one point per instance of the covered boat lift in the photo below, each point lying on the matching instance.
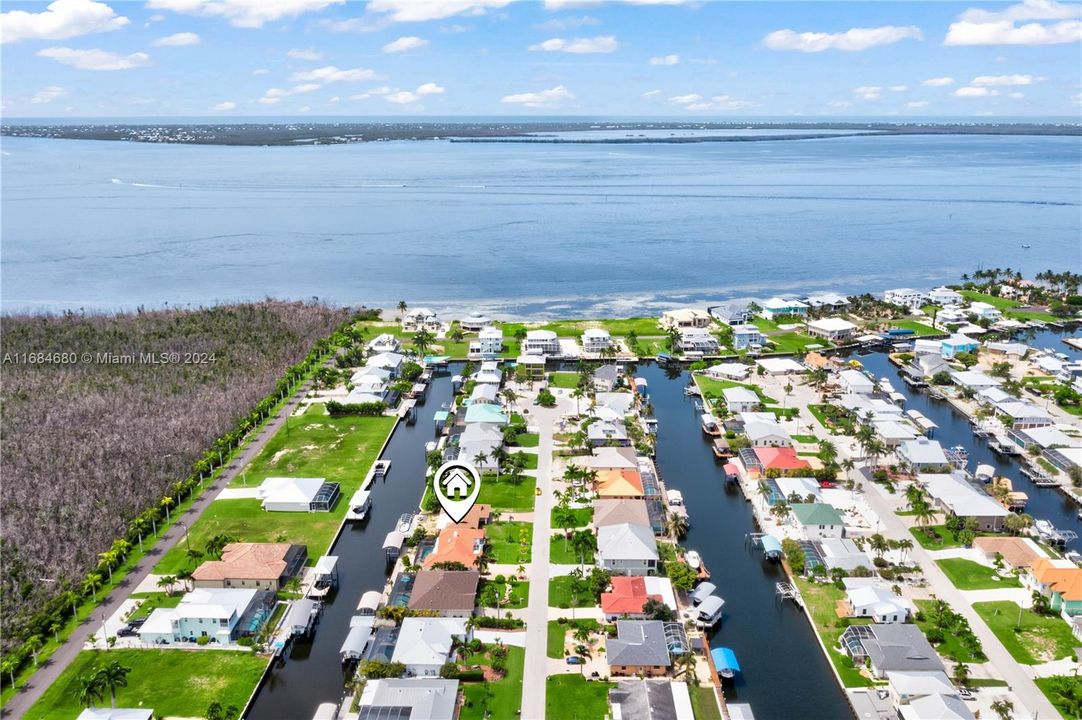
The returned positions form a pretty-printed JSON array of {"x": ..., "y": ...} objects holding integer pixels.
[
  {"x": 302, "y": 616},
  {"x": 725, "y": 662},
  {"x": 370, "y": 602},
  {"x": 324, "y": 576},
  {"x": 771, "y": 547},
  {"x": 360, "y": 634}
]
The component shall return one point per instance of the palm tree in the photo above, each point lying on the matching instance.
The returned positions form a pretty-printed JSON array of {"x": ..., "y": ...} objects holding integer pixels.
[
  {"x": 138, "y": 527},
  {"x": 924, "y": 514},
  {"x": 7, "y": 667},
  {"x": 578, "y": 393},
  {"x": 905, "y": 545},
  {"x": 33, "y": 646},
  {"x": 878, "y": 543},
  {"x": 402, "y": 306},
  {"x": 480, "y": 458},
  {"x": 89, "y": 690},
  {"x": 828, "y": 453},
  {"x": 499, "y": 455},
  {"x": 92, "y": 583},
  {"x": 108, "y": 559},
  {"x": 167, "y": 502},
  {"x": 113, "y": 676},
  {"x": 673, "y": 334},
  {"x": 686, "y": 663},
  {"x": 631, "y": 339},
  {"x": 583, "y": 542},
  {"x": 678, "y": 525},
  {"x": 422, "y": 340}
]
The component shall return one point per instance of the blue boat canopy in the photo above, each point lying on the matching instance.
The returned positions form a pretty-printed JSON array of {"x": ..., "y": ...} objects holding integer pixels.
[
  {"x": 771, "y": 545},
  {"x": 724, "y": 659}
]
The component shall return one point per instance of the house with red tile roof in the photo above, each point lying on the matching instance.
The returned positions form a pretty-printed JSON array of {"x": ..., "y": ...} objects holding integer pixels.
[{"x": 629, "y": 594}]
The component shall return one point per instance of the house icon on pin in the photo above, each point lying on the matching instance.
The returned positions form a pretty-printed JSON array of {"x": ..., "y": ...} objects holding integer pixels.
[{"x": 457, "y": 484}]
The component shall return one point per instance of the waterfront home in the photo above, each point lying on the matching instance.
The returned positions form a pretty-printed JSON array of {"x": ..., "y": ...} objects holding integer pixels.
[
  {"x": 936, "y": 707},
  {"x": 684, "y": 318},
  {"x": 698, "y": 340},
  {"x": 284, "y": 494},
  {"x": 827, "y": 301},
  {"x": 1017, "y": 553},
  {"x": 621, "y": 403},
  {"x": 894, "y": 432},
  {"x": 781, "y": 366},
  {"x": 923, "y": 454},
  {"x": 475, "y": 323},
  {"x": 740, "y": 399},
  {"x": 974, "y": 380},
  {"x": 456, "y": 543},
  {"x": 540, "y": 342},
  {"x": 926, "y": 695},
  {"x": 485, "y": 413},
  {"x": 747, "y": 336},
  {"x": 878, "y": 603},
  {"x": 783, "y": 459},
  {"x": 596, "y": 340},
  {"x": 409, "y": 699},
  {"x": 1064, "y": 458},
  {"x": 533, "y": 366},
  {"x": 767, "y": 435},
  {"x": 1045, "y": 437},
  {"x": 926, "y": 365},
  {"x": 93, "y": 713},
  {"x": 627, "y": 549},
  {"x": 489, "y": 373},
  {"x": 426, "y": 643},
  {"x": 484, "y": 393},
  {"x": 955, "y": 495},
  {"x": 904, "y": 297},
  {"x": 390, "y": 361},
  {"x": 843, "y": 553},
  {"x": 477, "y": 439},
  {"x": 951, "y": 317},
  {"x": 620, "y": 512},
  {"x": 450, "y": 593},
  {"x": 945, "y": 296},
  {"x": 891, "y": 647},
  {"x": 420, "y": 318},
  {"x": 384, "y": 343},
  {"x": 957, "y": 343},
  {"x": 263, "y": 566},
  {"x": 643, "y": 647},
  {"x": 985, "y": 311},
  {"x": 728, "y": 371},
  {"x": 214, "y": 613},
  {"x": 606, "y": 377},
  {"x": 617, "y": 484},
  {"x": 819, "y": 520},
  {"x": 734, "y": 314},
  {"x": 368, "y": 387},
  {"x": 1022, "y": 415},
  {"x": 1016, "y": 349},
  {"x": 833, "y": 329},
  {"x": 489, "y": 342},
  {"x": 615, "y": 458},
  {"x": 856, "y": 382},
  {"x": 992, "y": 395},
  {"x": 799, "y": 488},
  {"x": 627, "y": 595},
  {"x": 607, "y": 432},
  {"x": 777, "y": 307},
  {"x": 650, "y": 699},
  {"x": 1058, "y": 580}
]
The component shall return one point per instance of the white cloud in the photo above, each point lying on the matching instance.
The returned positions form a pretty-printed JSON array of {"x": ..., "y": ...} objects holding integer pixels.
[
  {"x": 971, "y": 92},
  {"x": 671, "y": 59},
  {"x": 359, "y": 96},
  {"x": 917, "y": 104},
  {"x": 243, "y": 13},
  {"x": 839, "y": 104},
  {"x": 686, "y": 99},
  {"x": 60, "y": 20},
  {"x": 422, "y": 10},
  {"x": 1005, "y": 80},
  {"x": 48, "y": 94},
  {"x": 225, "y": 106},
  {"x": 1031, "y": 22},
  {"x": 540, "y": 99},
  {"x": 599, "y": 44},
  {"x": 95, "y": 59},
  {"x": 567, "y": 23},
  {"x": 404, "y": 44},
  {"x": 275, "y": 95},
  {"x": 899, "y": 88},
  {"x": 1016, "y": 95},
  {"x": 1077, "y": 99},
  {"x": 562, "y": 4},
  {"x": 938, "y": 82},
  {"x": 851, "y": 40},
  {"x": 696, "y": 102},
  {"x": 330, "y": 74},
  {"x": 177, "y": 40},
  {"x": 651, "y": 93},
  {"x": 868, "y": 92},
  {"x": 261, "y": 71},
  {"x": 335, "y": 100},
  {"x": 304, "y": 108},
  {"x": 430, "y": 89},
  {"x": 405, "y": 97},
  {"x": 304, "y": 54}
]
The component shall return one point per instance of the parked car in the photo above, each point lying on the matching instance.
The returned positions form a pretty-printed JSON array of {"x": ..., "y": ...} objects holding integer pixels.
[
  {"x": 126, "y": 631},
  {"x": 574, "y": 660}
]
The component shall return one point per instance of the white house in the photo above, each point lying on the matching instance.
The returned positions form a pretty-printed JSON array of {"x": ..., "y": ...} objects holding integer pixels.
[
  {"x": 767, "y": 434},
  {"x": 419, "y": 318},
  {"x": 744, "y": 336},
  {"x": 985, "y": 311},
  {"x": 286, "y": 494},
  {"x": 627, "y": 549},
  {"x": 856, "y": 382},
  {"x": 684, "y": 318},
  {"x": 425, "y": 643},
  {"x": 832, "y": 329},
  {"x": 410, "y": 699},
  {"x": 541, "y": 342},
  {"x": 390, "y": 361},
  {"x": 385, "y": 342},
  {"x": 740, "y": 399},
  {"x": 489, "y": 342},
  {"x": 1022, "y": 414},
  {"x": 828, "y": 300},
  {"x": 905, "y": 297},
  {"x": 728, "y": 371},
  {"x": 878, "y": 603},
  {"x": 974, "y": 380},
  {"x": 474, "y": 323},
  {"x": 776, "y": 307},
  {"x": 489, "y": 373},
  {"x": 595, "y": 340},
  {"x": 923, "y": 454},
  {"x": 945, "y": 296},
  {"x": 954, "y": 494},
  {"x": 204, "y": 612},
  {"x": 698, "y": 340}
]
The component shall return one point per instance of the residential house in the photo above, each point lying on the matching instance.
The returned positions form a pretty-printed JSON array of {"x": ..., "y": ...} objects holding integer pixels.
[
  {"x": 628, "y": 594},
  {"x": 1015, "y": 349},
  {"x": 384, "y": 343},
  {"x": 390, "y": 361},
  {"x": 641, "y": 647},
  {"x": 540, "y": 342},
  {"x": 204, "y": 612},
  {"x": 827, "y": 301},
  {"x": 955, "y": 495},
  {"x": 484, "y": 393},
  {"x": 833, "y": 329},
  {"x": 409, "y": 699},
  {"x": 93, "y": 713},
  {"x": 779, "y": 308},
  {"x": 604, "y": 458},
  {"x": 878, "y": 603},
  {"x": 890, "y": 647},
  {"x": 489, "y": 342},
  {"x": 369, "y": 385},
  {"x": 620, "y": 512},
  {"x": 923, "y": 454},
  {"x": 819, "y": 520},
  {"x": 262, "y": 566},
  {"x": 485, "y": 413},
  {"x": 843, "y": 553},
  {"x": 740, "y": 399},
  {"x": 1017, "y": 553},
  {"x": 284, "y": 494},
  {"x": 456, "y": 543},
  {"x": 856, "y": 382},
  {"x": 746, "y": 336},
  {"x": 1022, "y": 414},
  {"x": 698, "y": 340},
  {"x": 607, "y": 432},
  {"x": 974, "y": 380},
  {"x": 951, "y": 317},
  {"x": 596, "y": 340},
  {"x": 957, "y": 343},
  {"x": 426, "y": 643},
  {"x": 684, "y": 318},
  {"x": 622, "y": 483},
  {"x": 985, "y": 311},
  {"x": 904, "y": 297},
  {"x": 781, "y": 366},
  {"x": 479, "y": 439},
  {"x": 420, "y": 318},
  {"x": 733, "y": 314},
  {"x": 936, "y": 707},
  {"x": 474, "y": 323},
  {"x": 767, "y": 434},
  {"x": 533, "y": 366},
  {"x": 945, "y": 296},
  {"x": 650, "y": 699},
  {"x": 621, "y": 403},
  {"x": 1058, "y": 580},
  {"x": 489, "y": 373},
  {"x": 606, "y": 377},
  {"x": 783, "y": 459},
  {"x": 627, "y": 549},
  {"x": 450, "y": 593},
  {"x": 728, "y": 371}
]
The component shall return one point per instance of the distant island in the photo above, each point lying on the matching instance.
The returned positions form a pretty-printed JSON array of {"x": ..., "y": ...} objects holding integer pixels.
[{"x": 338, "y": 133}]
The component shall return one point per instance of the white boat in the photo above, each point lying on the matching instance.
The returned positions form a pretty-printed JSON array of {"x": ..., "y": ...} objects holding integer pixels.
[
  {"x": 359, "y": 505},
  {"x": 693, "y": 559},
  {"x": 431, "y": 446},
  {"x": 380, "y": 469}
]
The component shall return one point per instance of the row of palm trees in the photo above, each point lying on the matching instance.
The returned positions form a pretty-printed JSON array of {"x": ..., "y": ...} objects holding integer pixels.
[{"x": 92, "y": 687}]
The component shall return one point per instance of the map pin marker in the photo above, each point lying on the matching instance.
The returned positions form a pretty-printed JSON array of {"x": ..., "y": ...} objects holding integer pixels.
[{"x": 456, "y": 485}]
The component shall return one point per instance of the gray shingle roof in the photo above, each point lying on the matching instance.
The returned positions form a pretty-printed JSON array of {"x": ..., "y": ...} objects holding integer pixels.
[{"x": 638, "y": 642}]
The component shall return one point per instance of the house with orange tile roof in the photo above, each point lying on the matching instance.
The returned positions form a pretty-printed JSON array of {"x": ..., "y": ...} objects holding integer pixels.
[
  {"x": 457, "y": 543},
  {"x": 1018, "y": 553},
  {"x": 783, "y": 459},
  {"x": 629, "y": 594},
  {"x": 261, "y": 566},
  {"x": 623, "y": 483},
  {"x": 1058, "y": 580}
]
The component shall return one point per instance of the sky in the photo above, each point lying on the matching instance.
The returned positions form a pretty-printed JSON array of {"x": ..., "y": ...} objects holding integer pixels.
[{"x": 618, "y": 58}]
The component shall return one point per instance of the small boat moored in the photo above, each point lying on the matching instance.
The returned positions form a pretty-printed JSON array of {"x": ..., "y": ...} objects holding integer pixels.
[
  {"x": 725, "y": 662},
  {"x": 693, "y": 559}
]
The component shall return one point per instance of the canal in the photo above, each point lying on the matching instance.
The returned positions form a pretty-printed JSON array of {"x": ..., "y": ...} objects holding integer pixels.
[
  {"x": 954, "y": 429},
  {"x": 784, "y": 670},
  {"x": 312, "y": 672}
]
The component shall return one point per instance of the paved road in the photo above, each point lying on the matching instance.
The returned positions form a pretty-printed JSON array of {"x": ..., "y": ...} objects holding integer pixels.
[
  {"x": 50, "y": 670},
  {"x": 533, "y": 682},
  {"x": 1006, "y": 667}
]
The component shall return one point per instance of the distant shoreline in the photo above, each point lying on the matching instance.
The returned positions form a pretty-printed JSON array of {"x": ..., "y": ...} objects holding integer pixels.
[{"x": 332, "y": 133}]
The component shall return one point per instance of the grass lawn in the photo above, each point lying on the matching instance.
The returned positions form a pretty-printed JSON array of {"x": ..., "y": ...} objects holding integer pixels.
[
  {"x": 1000, "y": 303},
  {"x": 506, "y": 495},
  {"x": 557, "y": 634},
  {"x": 518, "y": 599},
  {"x": 560, "y": 594},
  {"x": 919, "y": 329},
  {"x": 529, "y": 440},
  {"x": 810, "y": 439},
  {"x": 642, "y": 326},
  {"x": 502, "y": 698},
  {"x": 821, "y": 600},
  {"x": 179, "y": 683},
  {"x": 1064, "y": 692},
  {"x": 153, "y": 601},
  {"x": 951, "y": 647},
  {"x": 1041, "y": 638},
  {"x": 588, "y": 698},
  {"x": 969, "y": 575},
  {"x": 576, "y": 517},
  {"x": 704, "y": 702},
  {"x": 529, "y": 460},
  {"x": 510, "y": 541},
  {"x": 561, "y": 553},
  {"x": 712, "y": 388},
  {"x": 566, "y": 380},
  {"x": 794, "y": 342},
  {"x": 338, "y": 449},
  {"x": 945, "y": 540}
]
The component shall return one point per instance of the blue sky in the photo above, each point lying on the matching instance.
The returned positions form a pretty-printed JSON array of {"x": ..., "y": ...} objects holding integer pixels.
[{"x": 664, "y": 58}]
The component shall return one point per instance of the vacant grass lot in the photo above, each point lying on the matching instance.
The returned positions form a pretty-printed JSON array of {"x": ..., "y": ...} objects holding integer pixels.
[
  {"x": 566, "y": 380},
  {"x": 506, "y": 495},
  {"x": 500, "y": 699},
  {"x": 704, "y": 702},
  {"x": 1040, "y": 639},
  {"x": 527, "y": 440},
  {"x": 516, "y": 599},
  {"x": 574, "y": 696},
  {"x": 557, "y": 634},
  {"x": 712, "y": 388},
  {"x": 560, "y": 594},
  {"x": 341, "y": 450},
  {"x": 821, "y": 600},
  {"x": 175, "y": 683},
  {"x": 969, "y": 575},
  {"x": 510, "y": 541},
  {"x": 576, "y": 517},
  {"x": 951, "y": 647},
  {"x": 562, "y": 553}
]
